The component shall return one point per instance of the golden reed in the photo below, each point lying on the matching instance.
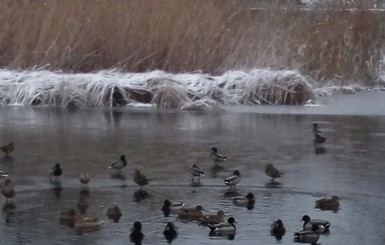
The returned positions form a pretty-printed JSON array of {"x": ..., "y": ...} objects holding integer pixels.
[{"x": 188, "y": 35}]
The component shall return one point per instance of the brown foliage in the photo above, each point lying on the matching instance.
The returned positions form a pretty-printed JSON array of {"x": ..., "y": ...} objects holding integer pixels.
[{"x": 187, "y": 35}]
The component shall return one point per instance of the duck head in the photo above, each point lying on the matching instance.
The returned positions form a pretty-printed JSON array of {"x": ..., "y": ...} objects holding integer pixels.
[
  {"x": 306, "y": 219},
  {"x": 137, "y": 226},
  {"x": 214, "y": 149}
]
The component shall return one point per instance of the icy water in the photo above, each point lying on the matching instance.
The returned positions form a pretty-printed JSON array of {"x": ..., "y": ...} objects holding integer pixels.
[{"x": 165, "y": 144}]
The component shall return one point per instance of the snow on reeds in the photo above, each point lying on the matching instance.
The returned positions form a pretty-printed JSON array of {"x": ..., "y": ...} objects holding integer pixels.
[{"x": 157, "y": 88}]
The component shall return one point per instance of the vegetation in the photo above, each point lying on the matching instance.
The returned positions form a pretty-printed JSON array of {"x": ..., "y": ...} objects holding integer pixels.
[{"x": 188, "y": 35}]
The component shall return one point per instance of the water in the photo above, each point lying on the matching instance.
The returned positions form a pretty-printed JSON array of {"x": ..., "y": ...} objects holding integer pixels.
[{"x": 165, "y": 144}]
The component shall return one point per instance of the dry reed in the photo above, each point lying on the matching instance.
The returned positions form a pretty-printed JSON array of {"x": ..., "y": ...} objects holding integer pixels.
[{"x": 187, "y": 35}]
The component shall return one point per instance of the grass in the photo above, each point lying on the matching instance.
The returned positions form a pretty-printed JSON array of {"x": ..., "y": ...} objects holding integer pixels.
[{"x": 189, "y": 35}]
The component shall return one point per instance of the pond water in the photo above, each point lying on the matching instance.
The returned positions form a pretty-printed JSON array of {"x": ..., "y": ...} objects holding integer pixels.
[{"x": 165, "y": 144}]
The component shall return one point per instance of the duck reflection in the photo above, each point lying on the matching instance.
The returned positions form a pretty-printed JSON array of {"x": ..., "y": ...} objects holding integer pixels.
[
  {"x": 9, "y": 212},
  {"x": 113, "y": 117},
  {"x": 83, "y": 201},
  {"x": 214, "y": 171},
  {"x": 7, "y": 160},
  {"x": 140, "y": 195},
  {"x": 319, "y": 149}
]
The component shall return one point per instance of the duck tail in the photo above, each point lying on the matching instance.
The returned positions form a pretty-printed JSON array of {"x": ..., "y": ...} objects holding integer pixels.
[{"x": 296, "y": 237}]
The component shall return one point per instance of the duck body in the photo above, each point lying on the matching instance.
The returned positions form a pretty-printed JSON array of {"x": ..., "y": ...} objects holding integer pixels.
[
  {"x": 170, "y": 207},
  {"x": 216, "y": 157},
  {"x": 247, "y": 201},
  {"x": 140, "y": 179},
  {"x": 191, "y": 213},
  {"x": 170, "y": 232},
  {"x": 84, "y": 178},
  {"x": 136, "y": 235},
  {"x": 277, "y": 229},
  {"x": 114, "y": 212},
  {"x": 8, "y": 148},
  {"x": 307, "y": 236},
  {"x": 8, "y": 189},
  {"x": 319, "y": 140},
  {"x": 213, "y": 219},
  {"x": 56, "y": 171},
  {"x": 196, "y": 172},
  {"x": 322, "y": 225},
  {"x": 328, "y": 203},
  {"x": 87, "y": 224},
  {"x": 3, "y": 174},
  {"x": 233, "y": 179},
  {"x": 118, "y": 165},
  {"x": 224, "y": 228},
  {"x": 272, "y": 172},
  {"x": 67, "y": 217}
]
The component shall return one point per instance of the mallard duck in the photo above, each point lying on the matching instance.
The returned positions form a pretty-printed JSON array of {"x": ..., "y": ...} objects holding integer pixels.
[
  {"x": 136, "y": 235},
  {"x": 170, "y": 232},
  {"x": 67, "y": 217},
  {"x": 322, "y": 225},
  {"x": 216, "y": 157},
  {"x": 87, "y": 223},
  {"x": 56, "y": 171},
  {"x": 8, "y": 189},
  {"x": 191, "y": 213},
  {"x": 319, "y": 140},
  {"x": 196, "y": 171},
  {"x": 307, "y": 236},
  {"x": 224, "y": 228},
  {"x": 119, "y": 165},
  {"x": 233, "y": 179},
  {"x": 247, "y": 200},
  {"x": 272, "y": 172},
  {"x": 114, "y": 213},
  {"x": 316, "y": 129},
  {"x": 3, "y": 174},
  {"x": 328, "y": 203},
  {"x": 8, "y": 148},
  {"x": 170, "y": 206},
  {"x": 140, "y": 179},
  {"x": 277, "y": 229},
  {"x": 217, "y": 218},
  {"x": 84, "y": 178}
]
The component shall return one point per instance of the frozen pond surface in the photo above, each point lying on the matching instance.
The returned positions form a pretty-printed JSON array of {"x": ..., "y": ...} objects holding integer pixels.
[{"x": 165, "y": 144}]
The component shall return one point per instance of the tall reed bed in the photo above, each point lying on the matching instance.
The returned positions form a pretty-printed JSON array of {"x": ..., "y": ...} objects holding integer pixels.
[{"x": 188, "y": 35}]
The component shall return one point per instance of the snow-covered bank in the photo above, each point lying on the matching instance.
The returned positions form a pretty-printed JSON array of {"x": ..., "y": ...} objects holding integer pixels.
[{"x": 160, "y": 89}]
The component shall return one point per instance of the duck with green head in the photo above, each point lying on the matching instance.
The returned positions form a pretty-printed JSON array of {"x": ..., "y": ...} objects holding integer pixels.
[{"x": 307, "y": 236}]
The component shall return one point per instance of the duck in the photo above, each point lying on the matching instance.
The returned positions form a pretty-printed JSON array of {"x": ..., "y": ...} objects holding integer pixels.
[
  {"x": 277, "y": 229},
  {"x": 217, "y": 218},
  {"x": 8, "y": 190},
  {"x": 84, "y": 178},
  {"x": 3, "y": 174},
  {"x": 114, "y": 212},
  {"x": 233, "y": 180},
  {"x": 8, "y": 148},
  {"x": 272, "y": 172},
  {"x": 248, "y": 200},
  {"x": 136, "y": 235},
  {"x": 67, "y": 217},
  {"x": 140, "y": 179},
  {"x": 170, "y": 206},
  {"x": 216, "y": 157},
  {"x": 196, "y": 172},
  {"x": 191, "y": 213},
  {"x": 170, "y": 232},
  {"x": 118, "y": 165},
  {"x": 328, "y": 203},
  {"x": 307, "y": 236},
  {"x": 224, "y": 228},
  {"x": 319, "y": 140},
  {"x": 322, "y": 225},
  {"x": 56, "y": 171},
  {"x": 87, "y": 223}
]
